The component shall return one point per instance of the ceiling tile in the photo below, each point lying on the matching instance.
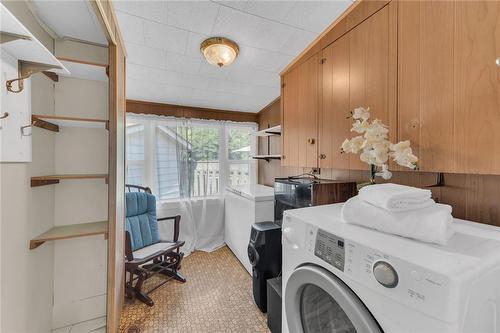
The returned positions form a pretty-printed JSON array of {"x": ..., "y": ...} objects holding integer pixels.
[
  {"x": 164, "y": 37},
  {"x": 146, "y": 56},
  {"x": 273, "y": 10},
  {"x": 183, "y": 63},
  {"x": 315, "y": 16},
  {"x": 201, "y": 15},
  {"x": 250, "y": 30},
  {"x": 297, "y": 42},
  {"x": 193, "y": 44},
  {"x": 165, "y": 63},
  {"x": 151, "y": 10},
  {"x": 132, "y": 27},
  {"x": 236, "y": 4}
]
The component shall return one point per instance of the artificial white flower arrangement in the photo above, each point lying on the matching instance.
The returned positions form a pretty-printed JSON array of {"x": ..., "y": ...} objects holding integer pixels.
[{"x": 374, "y": 147}]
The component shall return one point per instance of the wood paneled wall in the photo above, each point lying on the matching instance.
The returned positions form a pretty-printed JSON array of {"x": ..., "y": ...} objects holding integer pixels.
[
  {"x": 473, "y": 197},
  {"x": 162, "y": 109}
]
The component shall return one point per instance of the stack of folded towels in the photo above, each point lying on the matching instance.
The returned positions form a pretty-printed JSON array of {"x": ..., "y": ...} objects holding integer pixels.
[{"x": 401, "y": 210}]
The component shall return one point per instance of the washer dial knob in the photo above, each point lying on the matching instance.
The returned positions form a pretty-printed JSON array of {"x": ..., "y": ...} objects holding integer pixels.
[{"x": 385, "y": 274}]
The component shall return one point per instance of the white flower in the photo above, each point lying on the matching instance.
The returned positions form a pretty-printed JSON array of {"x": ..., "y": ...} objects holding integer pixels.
[
  {"x": 374, "y": 146},
  {"x": 376, "y": 131},
  {"x": 400, "y": 146},
  {"x": 384, "y": 173},
  {"x": 360, "y": 126},
  {"x": 354, "y": 145},
  {"x": 361, "y": 113},
  {"x": 405, "y": 158}
]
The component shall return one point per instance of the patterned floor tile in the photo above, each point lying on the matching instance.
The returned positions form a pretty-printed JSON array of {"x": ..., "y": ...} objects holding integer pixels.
[{"x": 217, "y": 298}]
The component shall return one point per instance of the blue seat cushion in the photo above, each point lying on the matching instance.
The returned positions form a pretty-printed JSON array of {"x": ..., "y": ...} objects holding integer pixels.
[{"x": 141, "y": 220}]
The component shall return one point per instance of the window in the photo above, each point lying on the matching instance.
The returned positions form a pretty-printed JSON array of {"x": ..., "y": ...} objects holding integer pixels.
[
  {"x": 135, "y": 153},
  {"x": 179, "y": 158},
  {"x": 239, "y": 157}
]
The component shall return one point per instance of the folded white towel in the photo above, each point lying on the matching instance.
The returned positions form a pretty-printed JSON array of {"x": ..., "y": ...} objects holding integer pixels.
[
  {"x": 431, "y": 224},
  {"x": 396, "y": 197}
]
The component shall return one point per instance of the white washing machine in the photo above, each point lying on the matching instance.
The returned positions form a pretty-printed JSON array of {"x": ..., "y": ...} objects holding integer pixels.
[{"x": 339, "y": 277}]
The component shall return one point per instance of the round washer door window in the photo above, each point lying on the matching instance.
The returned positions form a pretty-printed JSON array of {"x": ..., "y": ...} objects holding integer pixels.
[
  {"x": 316, "y": 301},
  {"x": 320, "y": 312}
]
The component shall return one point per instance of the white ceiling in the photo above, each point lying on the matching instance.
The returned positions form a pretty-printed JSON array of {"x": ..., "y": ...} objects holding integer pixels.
[
  {"x": 163, "y": 39},
  {"x": 75, "y": 19}
]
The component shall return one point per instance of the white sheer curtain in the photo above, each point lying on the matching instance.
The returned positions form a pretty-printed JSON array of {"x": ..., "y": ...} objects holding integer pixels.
[{"x": 188, "y": 163}]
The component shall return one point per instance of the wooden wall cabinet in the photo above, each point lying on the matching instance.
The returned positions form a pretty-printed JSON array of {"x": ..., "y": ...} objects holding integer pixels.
[
  {"x": 449, "y": 84},
  {"x": 300, "y": 114},
  {"x": 358, "y": 69}
]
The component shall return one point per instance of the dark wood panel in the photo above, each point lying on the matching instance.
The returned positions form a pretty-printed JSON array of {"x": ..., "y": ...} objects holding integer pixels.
[{"x": 161, "y": 109}]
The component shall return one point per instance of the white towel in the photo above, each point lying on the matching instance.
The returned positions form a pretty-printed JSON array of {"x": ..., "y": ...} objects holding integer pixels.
[
  {"x": 431, "y": 224},
  {"x": 396, "y": 198}
]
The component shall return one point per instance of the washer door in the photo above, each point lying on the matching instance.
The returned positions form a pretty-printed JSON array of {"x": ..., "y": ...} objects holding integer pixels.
[{"x": 316, "y": 301}]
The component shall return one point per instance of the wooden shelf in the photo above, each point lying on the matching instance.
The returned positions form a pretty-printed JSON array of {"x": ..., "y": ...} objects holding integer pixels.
[
  {"x": 52, "y": 123},
  {"x": 19, "y": 42},
  {"x": 267, "y": 157},
  {"x": 275, "y": 130},
  {"x": 71, "y": 231},
  {"x": 85, "y": 69},
  {"x": 54, "y": 179}
]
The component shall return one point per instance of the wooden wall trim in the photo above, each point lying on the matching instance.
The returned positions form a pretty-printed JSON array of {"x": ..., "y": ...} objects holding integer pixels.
[
  {"x": 350, "y": 18},
  {"x": 161, "y": 109}
]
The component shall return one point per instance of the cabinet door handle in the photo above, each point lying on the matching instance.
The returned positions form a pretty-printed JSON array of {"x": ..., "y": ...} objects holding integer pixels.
[
  {"x": 497, "y": 61},
  {"x": 311, "y": 141},
  {"x": 322, "y": 156}
]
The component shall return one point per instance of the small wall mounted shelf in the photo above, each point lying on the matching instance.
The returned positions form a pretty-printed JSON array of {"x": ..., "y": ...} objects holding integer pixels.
[
  {"x": 267, "y": 157},
  {"x": 54, "y": 179},
  {"x": 20, "y": 43},
  {"x": 85, "y": 69},
  {"x": 71, "y": 231},
  {"x": 275, "y": 130},
  {"x": 52, "y": 123}
]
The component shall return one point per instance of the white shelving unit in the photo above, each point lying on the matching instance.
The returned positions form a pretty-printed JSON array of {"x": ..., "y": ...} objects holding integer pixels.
[
  {"x": 268, "y": 132},
  {"x": 52, "y": 123},
  {"x": 20, "y": 43},
  {"x": 85, "y": 70},
  {"x": 275, "y": 130}
]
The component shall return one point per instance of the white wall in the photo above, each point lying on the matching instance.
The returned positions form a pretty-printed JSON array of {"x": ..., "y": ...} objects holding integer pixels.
[
  {"x": 27, "y": 276},
  {"x": 80, "y": 264}
]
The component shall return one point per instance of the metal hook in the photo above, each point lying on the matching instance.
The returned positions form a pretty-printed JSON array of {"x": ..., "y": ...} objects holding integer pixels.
[
  {"x": 5, "y": 115},
  {"x": 23, "y": 128}
]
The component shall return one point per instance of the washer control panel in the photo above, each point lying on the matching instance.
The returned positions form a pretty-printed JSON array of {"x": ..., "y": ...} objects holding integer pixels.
[{"x": 330, "y": 248}]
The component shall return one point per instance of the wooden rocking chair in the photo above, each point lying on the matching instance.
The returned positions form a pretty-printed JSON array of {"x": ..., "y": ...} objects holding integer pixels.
[{"x": 145, "y": 254}]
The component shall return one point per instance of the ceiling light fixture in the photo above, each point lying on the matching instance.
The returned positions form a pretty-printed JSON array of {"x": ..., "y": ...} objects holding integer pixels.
[{"x": 219, "y": 51}]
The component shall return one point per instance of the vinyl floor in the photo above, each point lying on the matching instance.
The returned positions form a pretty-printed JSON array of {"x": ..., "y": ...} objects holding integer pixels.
[{"x": 217, "y": 297}]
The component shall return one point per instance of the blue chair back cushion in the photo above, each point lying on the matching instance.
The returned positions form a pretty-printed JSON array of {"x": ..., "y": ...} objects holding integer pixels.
[{"x": 141, "y": 220}]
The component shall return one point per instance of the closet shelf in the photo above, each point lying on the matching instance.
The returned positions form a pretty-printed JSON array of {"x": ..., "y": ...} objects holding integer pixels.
[
  {"x": 71, "y": 231},
  {"x": 52, "y": 123},
  {"x": 275, "y": 130},
  {"x": 267, "y": 157},
  {"x": 20, "y": 43},
  {"x": 54, "y": 179},
  {"x": 85, "y": 69}
]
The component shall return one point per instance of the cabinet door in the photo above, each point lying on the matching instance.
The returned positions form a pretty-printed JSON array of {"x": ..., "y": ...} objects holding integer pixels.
[
  {"x": 290, "y": 118},
  {"x": 308, "y": 112},
  {"x": 333, "y": 122},
  {"x": 449, "y": 84},
  {"x": 372, "y": 69},
  {"x": 477, "y": 86},
  {"x": 425, "y": 81}
]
